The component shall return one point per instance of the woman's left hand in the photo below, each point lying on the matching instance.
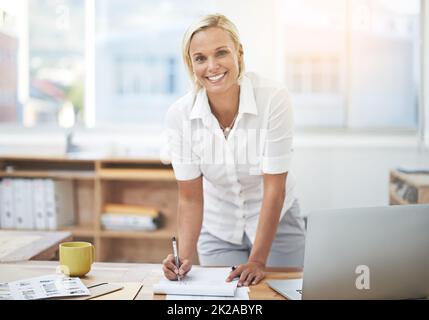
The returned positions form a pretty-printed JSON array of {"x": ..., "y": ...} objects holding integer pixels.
[{"x": 249, "y": 273}]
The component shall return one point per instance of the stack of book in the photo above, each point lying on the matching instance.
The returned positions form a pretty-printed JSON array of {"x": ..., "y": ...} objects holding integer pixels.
[
  {"x": 40, "y": 204},
  {"x": 123, "y": 217},
  {"x": 405, "y": 191}
]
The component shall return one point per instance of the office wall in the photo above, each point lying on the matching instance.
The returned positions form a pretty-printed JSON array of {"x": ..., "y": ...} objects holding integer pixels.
[{"x": 349, "y": 176}]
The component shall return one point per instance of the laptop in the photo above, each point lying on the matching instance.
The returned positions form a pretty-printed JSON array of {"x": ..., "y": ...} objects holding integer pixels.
[{"x": 364, "y": 253}]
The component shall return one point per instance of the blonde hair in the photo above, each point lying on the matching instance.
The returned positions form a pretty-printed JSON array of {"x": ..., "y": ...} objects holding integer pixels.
[{"x": 211, "y": 21}]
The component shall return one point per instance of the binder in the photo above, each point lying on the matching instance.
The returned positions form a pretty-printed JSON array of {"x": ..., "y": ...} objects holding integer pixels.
[
  {"x": 7, "y": 210},
  {"x": 112, "y": 221},
  {"x": 23, "y": 203},
  {"x": 39, "y": 210},
  {"x": 18, "y": 200},
  {"x": 59, "y": 203}
]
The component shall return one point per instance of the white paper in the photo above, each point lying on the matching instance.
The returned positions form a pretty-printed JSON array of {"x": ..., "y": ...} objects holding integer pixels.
[
  {"x": 43, "y": 287},
  {"x": 200, "y": 282},
  {"x": 241, "y": 293}
]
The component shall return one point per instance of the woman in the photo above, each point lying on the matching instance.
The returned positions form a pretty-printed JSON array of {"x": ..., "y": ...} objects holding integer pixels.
[{"x": 230, "y": 143}]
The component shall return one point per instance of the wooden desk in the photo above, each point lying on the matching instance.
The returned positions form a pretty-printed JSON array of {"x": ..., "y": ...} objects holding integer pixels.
[
  {"x": 27, "y": 245},
  {"x": 147, "y": 274}
]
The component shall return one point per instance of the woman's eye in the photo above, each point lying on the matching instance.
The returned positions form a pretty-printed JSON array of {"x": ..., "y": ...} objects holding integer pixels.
[
  {"x": 199, "y": 59},
  {"x": 222, "y": 52}
]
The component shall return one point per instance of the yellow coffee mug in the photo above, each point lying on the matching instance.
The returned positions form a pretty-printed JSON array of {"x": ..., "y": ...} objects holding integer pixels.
[{"x": 76, "y": 258}]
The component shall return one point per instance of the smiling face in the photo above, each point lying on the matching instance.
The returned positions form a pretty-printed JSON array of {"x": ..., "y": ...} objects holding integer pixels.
[{"x": 215, "y": 60}]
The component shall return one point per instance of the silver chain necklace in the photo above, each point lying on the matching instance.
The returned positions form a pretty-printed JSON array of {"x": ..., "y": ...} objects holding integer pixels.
[{"x": 227, "y": 130}]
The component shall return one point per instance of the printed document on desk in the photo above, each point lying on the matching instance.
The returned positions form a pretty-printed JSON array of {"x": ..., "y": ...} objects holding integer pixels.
[
  {"x": 43, "y": 287},
  {"x": 199, "y": 282}
]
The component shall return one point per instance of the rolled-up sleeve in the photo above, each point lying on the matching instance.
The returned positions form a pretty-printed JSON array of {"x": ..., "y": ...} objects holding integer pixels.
[
  {"x": 278, "y": 150},
  {"x": 185, "y": 162}
]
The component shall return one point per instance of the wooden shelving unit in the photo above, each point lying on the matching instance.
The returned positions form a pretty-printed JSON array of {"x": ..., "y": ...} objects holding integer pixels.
[
  {"x": 137, "y": 174},
  {"x": 81, "y": 231},
  {"x": 98, "y": 181},
  {"x": 52, "y": 175},
  {"x": 394, "y": 198},
  {"x": 416, "y": 183},
  {"x": 158, "y": 234}
]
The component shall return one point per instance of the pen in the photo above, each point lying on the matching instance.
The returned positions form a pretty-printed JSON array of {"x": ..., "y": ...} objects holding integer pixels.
[{"x": 176, "y": 255}]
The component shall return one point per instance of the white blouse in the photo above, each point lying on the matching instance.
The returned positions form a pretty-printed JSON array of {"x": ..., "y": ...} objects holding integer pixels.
[{"x": 259, "y": 142}]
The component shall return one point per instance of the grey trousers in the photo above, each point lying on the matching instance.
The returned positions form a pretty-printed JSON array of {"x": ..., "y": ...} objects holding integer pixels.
[{"x": 287, "y": 249}]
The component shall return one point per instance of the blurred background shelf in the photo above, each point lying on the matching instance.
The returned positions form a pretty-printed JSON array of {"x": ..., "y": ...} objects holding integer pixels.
[
  {"x": 161, "y": 234},
  {"x": 408, "y": 188},
  {"x": 81, "y": 231},
  {"x": 136, "y": 174},
  {"x": 96, "y": 182},
  {"x": 49, "y": 174}
]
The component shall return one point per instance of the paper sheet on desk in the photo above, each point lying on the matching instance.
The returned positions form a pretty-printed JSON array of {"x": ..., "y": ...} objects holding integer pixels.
[
  {"x": 43, "y": 287},
  {"x": 241, "y": 293},
  {"x": 200, "y": 282}
]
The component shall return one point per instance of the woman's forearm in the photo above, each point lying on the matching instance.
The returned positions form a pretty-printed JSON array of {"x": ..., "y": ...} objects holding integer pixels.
[
  {"x": 189, "y": 221},
  {"x": 267, "y": 227}
]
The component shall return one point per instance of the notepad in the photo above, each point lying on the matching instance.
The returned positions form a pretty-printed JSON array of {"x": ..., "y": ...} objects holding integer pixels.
[
  {"x": 241, "y": 293},
  {"x": 200, "y": 282}
]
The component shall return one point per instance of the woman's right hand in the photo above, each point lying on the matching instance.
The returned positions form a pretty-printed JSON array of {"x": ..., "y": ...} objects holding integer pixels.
[{"x": 171, "y": 272}]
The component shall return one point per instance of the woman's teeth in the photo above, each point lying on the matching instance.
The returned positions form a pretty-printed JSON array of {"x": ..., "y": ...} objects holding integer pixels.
[{"x": 216, "y": 78}]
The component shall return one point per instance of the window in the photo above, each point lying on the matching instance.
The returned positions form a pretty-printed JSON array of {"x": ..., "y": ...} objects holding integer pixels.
[
  {"x": 353, "y": 63},
  {"x": 8, "y": 67},
  {"x": 385, "y": 64},
  {"x": 56, "y": 63},
  {"x": 139, "y": 69},
  {"x": 348, "y": 63}
]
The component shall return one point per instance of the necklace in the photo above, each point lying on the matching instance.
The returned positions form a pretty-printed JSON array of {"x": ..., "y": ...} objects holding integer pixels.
[{"x": 226, "y": 130}]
